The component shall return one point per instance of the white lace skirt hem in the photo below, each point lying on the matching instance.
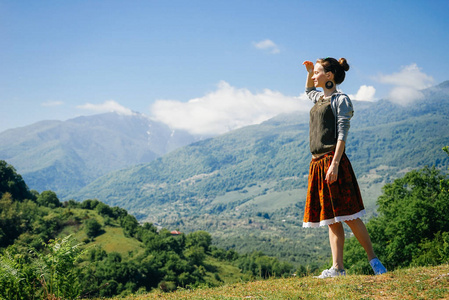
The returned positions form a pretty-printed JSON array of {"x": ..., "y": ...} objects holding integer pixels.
[{"x": 334, "y": 220}]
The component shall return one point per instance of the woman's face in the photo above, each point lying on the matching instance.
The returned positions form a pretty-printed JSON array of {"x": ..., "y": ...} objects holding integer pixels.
[{"x": 319, "y": 77}]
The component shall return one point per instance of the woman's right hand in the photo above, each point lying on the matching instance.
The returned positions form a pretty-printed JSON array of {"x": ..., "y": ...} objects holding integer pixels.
[{"x": 309, "y": 66}]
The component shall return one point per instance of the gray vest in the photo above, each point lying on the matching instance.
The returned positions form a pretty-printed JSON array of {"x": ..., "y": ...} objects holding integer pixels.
[{"x": 322, "y": 127}]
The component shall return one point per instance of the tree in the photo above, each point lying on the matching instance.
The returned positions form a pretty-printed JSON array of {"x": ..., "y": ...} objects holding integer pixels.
[
  {"x": 195, "y": 255},
  {"x": 13, "y": 183},
  {"x": 9, "y": 220},
  {"x": 413, "y": 218},
  {"x": 412, "y": 209},
  {"x": 199, "y": 238},
  {"x": 129, "y": 224},
  {"x": 48, "y": 199},
  {"x": 92, "y": 228},
  {"x": 104, "y": 209},
  {"x": 89, "y": 203}
]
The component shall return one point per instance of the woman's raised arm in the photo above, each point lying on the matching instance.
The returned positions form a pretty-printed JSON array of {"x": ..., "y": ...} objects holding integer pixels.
[{"x": 309, "y": 67}]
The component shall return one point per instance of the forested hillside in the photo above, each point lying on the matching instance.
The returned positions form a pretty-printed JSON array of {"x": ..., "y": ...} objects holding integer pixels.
[
  {"x": 54, "y": 250},
  {"x": 95, "y": 249},
  {"x": 247, "y": 187}
]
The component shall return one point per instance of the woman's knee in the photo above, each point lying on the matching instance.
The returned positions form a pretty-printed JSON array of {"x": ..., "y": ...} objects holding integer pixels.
[
  {"x": 352, "y": 222},
  {"x": 335, "y": 225}
]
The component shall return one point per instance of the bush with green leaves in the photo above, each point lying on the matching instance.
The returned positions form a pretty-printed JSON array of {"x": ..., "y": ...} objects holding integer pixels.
[
  {"x": 51, "y": 274},
  {"x": 412, "y": 226},
  {"x": 17, "y": 277},
  {"x": 13, "y": 183},
  {"x": 48, "y": 199},
  {"x": 92, "y": 228}
]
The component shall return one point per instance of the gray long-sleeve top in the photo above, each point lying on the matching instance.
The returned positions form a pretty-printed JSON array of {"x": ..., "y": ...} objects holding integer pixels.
[{"x": 341, "y": 107}]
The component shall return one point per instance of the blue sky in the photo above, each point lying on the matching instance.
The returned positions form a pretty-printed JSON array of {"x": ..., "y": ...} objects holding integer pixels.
[{"x": 215, "y": 64}]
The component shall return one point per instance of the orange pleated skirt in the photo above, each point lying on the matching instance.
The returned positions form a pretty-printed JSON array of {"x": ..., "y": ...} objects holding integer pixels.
[{"x": 331, "y": 203}]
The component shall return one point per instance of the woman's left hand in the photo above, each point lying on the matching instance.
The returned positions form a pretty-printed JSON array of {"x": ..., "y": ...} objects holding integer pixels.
[
  {"x": 332, "y": 174},
  {"x": 309, "y": 66}
]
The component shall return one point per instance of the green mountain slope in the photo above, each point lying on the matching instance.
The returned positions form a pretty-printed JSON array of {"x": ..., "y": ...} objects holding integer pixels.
[
  {"x": 66, "y": 156},
  {"x": 247, "y": 187}
]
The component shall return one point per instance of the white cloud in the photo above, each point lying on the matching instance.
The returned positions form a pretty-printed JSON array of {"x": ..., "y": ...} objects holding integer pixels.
[
  {"x": 365, "y": 93},
  {"x": 267, "y": 45},
  {"x": 52, "y": 103},
  {"x": 225, "y": 109},
  {"x": 107, "y": 106},
  {"x": 407, "y": 84}
]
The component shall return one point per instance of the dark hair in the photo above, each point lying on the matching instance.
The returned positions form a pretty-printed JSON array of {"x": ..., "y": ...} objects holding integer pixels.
[{"x": 337, "y": 67}]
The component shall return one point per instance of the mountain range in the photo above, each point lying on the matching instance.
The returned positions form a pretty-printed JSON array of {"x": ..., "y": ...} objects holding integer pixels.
[
  {"x": 65, "y": 156},
  {"x": 383, "y": 136},
  {"x": 245, "y": 187}
]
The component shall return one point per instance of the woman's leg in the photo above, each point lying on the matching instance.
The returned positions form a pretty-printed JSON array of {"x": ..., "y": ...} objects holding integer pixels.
[
  {"x": 337, "y": 242},
  {"x": 359, "y": 229}
]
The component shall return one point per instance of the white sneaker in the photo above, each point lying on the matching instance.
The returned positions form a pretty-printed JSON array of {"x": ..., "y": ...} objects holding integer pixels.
[
  {"x": 377, "y": 266},
  {"x": 332, "y": 272}
]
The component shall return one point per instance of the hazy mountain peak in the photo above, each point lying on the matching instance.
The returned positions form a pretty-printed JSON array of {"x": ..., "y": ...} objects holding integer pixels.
[
  {"x": 444, "y": 85},
  {"x": 64, "y": 155}
]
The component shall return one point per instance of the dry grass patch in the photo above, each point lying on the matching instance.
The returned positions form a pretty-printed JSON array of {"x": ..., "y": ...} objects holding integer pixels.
[{"x": 413, "y": 283}]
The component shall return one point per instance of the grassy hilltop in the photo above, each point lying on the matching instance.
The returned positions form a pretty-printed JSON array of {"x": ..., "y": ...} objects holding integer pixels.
[{"x": 410, "y": 283}]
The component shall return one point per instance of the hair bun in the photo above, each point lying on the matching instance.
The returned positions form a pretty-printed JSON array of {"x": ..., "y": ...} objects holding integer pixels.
[{"x": 343, "y": 63}]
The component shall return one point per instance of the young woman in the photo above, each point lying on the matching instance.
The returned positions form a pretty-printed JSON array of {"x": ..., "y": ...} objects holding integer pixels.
[{"x": 333, "y": 195}]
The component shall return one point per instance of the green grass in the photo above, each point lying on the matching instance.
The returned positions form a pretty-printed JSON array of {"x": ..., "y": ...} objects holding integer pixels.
[
  {"x": 412, "y": 283},
  {"x": 270, "y": 202},
  {"x": 112, "y": 238}
]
